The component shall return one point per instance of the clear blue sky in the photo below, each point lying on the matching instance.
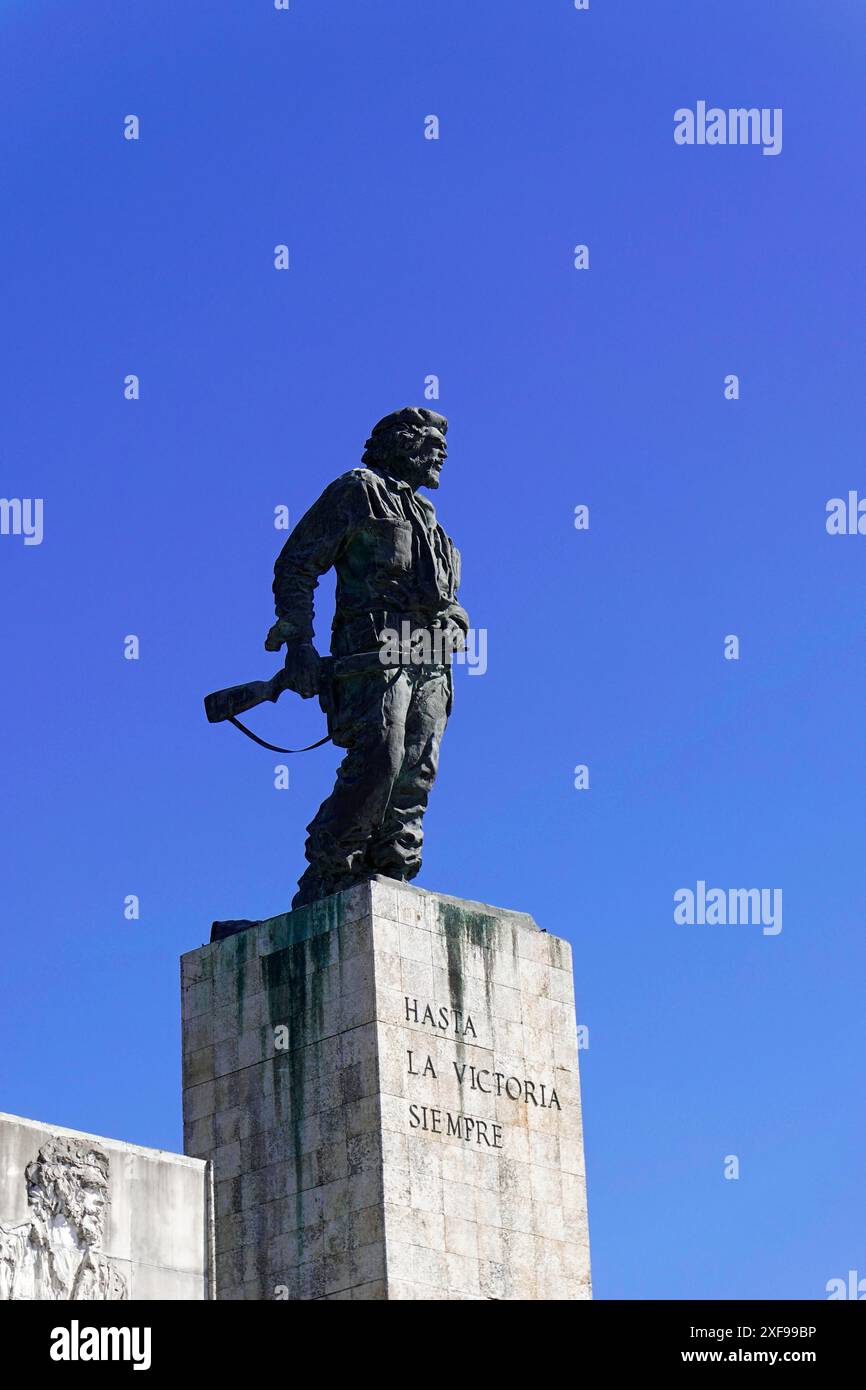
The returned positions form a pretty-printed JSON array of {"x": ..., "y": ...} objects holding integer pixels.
[{"x": 604, "y": 387}]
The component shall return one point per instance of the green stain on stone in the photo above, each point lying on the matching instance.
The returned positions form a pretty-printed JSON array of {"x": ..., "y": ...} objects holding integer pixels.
[
  {"x": 242, "y": 951},
  {"x": 465, "y": 931},
  {"x": 293, "y": 979}
]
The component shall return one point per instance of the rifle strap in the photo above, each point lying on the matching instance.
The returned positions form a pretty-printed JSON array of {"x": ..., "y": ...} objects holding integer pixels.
[{"x": 272, "y": 746}]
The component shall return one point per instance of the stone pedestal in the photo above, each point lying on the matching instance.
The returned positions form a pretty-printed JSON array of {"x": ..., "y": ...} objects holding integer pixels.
[{"x": 387, "y": 1085}]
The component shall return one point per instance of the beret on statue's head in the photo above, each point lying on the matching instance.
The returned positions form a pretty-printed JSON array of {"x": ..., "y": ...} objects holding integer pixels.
[
  {"x": 400, "y": 435},
  {"x": 412, "y": 417}
]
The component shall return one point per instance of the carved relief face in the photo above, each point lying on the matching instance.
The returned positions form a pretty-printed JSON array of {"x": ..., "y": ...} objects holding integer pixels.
[
  {"x": 91, "y": 1222},
  {"x": 69, "y": 1193},
  {"x": 68, "y": 1182}
]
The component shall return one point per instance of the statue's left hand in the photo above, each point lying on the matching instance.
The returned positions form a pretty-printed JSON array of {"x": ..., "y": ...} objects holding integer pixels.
[
  {"x": 455, "y": 636},
  {"x": 277, "y": 637}
]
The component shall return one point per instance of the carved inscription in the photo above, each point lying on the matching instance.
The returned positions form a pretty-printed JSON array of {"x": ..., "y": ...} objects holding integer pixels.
[{"x": 459, "y": 1125}]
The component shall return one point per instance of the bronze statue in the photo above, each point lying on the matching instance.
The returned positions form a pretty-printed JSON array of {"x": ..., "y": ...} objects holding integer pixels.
[{"x": 387, "y": 686}]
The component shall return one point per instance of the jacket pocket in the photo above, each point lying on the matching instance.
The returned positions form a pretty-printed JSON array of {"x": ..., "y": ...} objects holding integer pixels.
[{"x": 389, "y": 543}]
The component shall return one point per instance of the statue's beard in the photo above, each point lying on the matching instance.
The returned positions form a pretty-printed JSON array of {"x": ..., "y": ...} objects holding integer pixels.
[
  {"x": 90, "y": 1230},
  {"x": 88, "y": 1225},
  {"x": 419, "y": 470}
]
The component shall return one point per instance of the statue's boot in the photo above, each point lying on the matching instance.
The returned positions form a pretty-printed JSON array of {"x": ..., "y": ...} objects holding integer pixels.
[
  {"x": 311, "y": 889},
  {"x": 313, "y": 886}
]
